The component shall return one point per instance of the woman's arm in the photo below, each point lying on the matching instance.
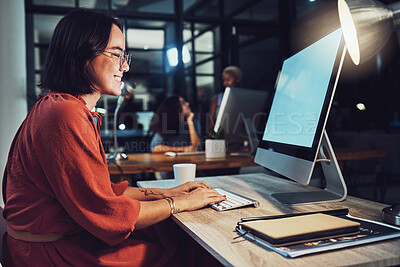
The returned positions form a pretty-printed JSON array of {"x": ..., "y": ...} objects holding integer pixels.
[
  {"x": 147, "y": 194},
  {"x": 157, "y": 146},
  {"x": 152, "y": 212},
  {"x": 164, "y": 148},
  {"x": 155, "y": 208},
  {"x": 194, "y": 138}
]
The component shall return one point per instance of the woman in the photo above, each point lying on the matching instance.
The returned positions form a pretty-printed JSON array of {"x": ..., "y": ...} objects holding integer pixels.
[
  {"x": 60, "y": 207},
  {"x": 174, "y": 127}
]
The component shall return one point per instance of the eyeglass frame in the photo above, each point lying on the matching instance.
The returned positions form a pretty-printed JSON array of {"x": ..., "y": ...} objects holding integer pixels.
[{"x": 124, "y": 57}]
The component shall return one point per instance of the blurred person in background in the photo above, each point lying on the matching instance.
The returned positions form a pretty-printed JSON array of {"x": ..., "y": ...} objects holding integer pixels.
[
  {"x": 174, "y": 127},
  {"x": 231, "y": 77}
]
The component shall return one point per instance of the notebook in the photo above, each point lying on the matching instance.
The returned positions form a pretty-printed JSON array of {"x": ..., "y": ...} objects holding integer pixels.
[{"x": 299, "y": 229}]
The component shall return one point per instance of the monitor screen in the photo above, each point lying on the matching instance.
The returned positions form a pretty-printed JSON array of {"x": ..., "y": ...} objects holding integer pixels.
[
  {"x": 144, "y": 118},
  {"x": 300, "y": 106},
  {"x": 240, "y": 106},
  {"x": 300, "y": 93}
]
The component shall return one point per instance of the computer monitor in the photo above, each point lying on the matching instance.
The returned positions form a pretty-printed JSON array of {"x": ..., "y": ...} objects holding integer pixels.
[
  {"x": 294, "y": 139},
  {"x": 242, "y": 116},
  {"x": 144, "y": 118}
]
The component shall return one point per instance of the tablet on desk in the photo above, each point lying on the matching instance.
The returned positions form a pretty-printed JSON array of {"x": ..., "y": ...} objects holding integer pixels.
[
  {"x": 300, "y": 229},
  {"x": 173, "y": 154}
]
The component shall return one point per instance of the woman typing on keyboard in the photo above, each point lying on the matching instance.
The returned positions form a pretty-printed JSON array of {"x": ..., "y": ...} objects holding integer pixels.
[
  {"x": 175, "y": 128},
  {"x": 61, "y": 208}
]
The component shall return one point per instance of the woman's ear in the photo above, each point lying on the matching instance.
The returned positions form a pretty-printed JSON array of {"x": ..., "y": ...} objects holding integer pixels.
[{"x": 237, "y": 81}]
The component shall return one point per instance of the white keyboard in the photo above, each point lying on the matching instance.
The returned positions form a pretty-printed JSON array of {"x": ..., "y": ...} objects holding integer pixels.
[
  {"x": 232, "y": 201},
  {"x": 173, "y": 154}
]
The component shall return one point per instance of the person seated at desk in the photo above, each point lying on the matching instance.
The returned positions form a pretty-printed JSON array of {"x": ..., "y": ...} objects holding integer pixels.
[
  {"x": 231, "y": 77},
  {"x": 61, "y": 207},
  {"x": 174, "y": 126}
]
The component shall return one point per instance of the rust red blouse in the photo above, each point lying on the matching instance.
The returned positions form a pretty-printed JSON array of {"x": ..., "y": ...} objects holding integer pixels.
[{"x": 58, "y": 182}]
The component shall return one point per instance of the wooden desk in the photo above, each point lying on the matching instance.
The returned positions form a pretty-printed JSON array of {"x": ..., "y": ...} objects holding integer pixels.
[
  {"x": 215, "y": 230},
  {"x": 343, "y": 154},
  {"x": 355, "y": 154},
  {"x": 150, "y": 162}
]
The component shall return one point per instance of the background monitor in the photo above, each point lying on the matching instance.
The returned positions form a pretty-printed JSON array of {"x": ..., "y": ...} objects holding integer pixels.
[
  {"x": 144, "y": 118},
  {"x": 242, "y": 116},
  {"x": 297, "y": 116}
]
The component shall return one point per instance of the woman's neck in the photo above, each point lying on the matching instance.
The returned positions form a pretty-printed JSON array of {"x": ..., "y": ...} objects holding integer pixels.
[{"x": 91, "y": 100}]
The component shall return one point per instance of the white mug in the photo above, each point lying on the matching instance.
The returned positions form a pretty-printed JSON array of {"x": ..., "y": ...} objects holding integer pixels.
[{"x": 184, "y": 172}]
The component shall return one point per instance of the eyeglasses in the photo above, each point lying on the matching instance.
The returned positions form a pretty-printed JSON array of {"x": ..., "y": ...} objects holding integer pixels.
[{"x": 124, "y": 57}]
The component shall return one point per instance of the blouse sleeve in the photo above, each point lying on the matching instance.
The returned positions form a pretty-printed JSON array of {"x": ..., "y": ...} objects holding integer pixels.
[
  {"x": 68, "y": 147},
  {"x": 156, "y": 140},
  {"x": 119, "y": 188}
]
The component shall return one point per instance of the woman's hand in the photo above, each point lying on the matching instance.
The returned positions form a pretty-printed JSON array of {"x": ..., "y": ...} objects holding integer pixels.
[
  {"x": 197, "y": 199},
  {"x": 185, "y": 188}
]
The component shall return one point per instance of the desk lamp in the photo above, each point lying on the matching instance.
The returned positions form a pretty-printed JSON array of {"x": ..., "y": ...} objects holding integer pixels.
[
  {"x": 367, "y": 26},
  {"x": 127, "y": 93}
]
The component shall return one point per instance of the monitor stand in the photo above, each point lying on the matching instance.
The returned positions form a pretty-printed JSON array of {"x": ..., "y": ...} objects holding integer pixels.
[
  {"x": 335, "y": 189},
  {"x": 251, "y": 136}
]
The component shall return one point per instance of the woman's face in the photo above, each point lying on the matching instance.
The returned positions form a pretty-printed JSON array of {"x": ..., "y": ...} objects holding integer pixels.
[
  {"x": 185, "y": 107},
  {"x": 229, "y": 80},
  {"x": 106, "y": 73}
]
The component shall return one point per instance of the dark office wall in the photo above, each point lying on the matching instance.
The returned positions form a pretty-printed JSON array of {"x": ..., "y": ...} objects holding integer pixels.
[
  {"x": 376, "y": 84},
  {"x": 260, "y": 63}
]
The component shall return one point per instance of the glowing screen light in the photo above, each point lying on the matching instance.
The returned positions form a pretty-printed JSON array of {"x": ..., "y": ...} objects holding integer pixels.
[{"x": 172, "y": 55}]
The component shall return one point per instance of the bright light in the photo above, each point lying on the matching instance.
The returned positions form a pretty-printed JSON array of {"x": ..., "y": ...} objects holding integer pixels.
[
  {"x": 361, "y": 107},
  {"x": 146, "y": 47},
  {"x": 311, "y": 1},
  {"x": 185, "y": 54},
  {"x": 349, "y": 31},
  {"x": 122, "y": 127},
  {"x": 172, "y": 55}
]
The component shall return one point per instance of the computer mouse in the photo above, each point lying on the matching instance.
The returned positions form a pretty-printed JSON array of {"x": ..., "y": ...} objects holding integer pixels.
[
  {"x": 391, "y": 214},
  {"x": 171, "y": 154}
]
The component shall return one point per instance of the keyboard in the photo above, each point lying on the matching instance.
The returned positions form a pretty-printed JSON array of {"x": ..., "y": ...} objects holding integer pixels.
[
  {"x": 173, "y": 154},
  {"x": 233, "y": 201}
]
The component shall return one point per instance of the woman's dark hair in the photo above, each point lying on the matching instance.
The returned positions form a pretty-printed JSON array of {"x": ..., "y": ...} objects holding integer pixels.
[
  {"x": 77, "y": 39},
  {"x": 167, "y": 120}
]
